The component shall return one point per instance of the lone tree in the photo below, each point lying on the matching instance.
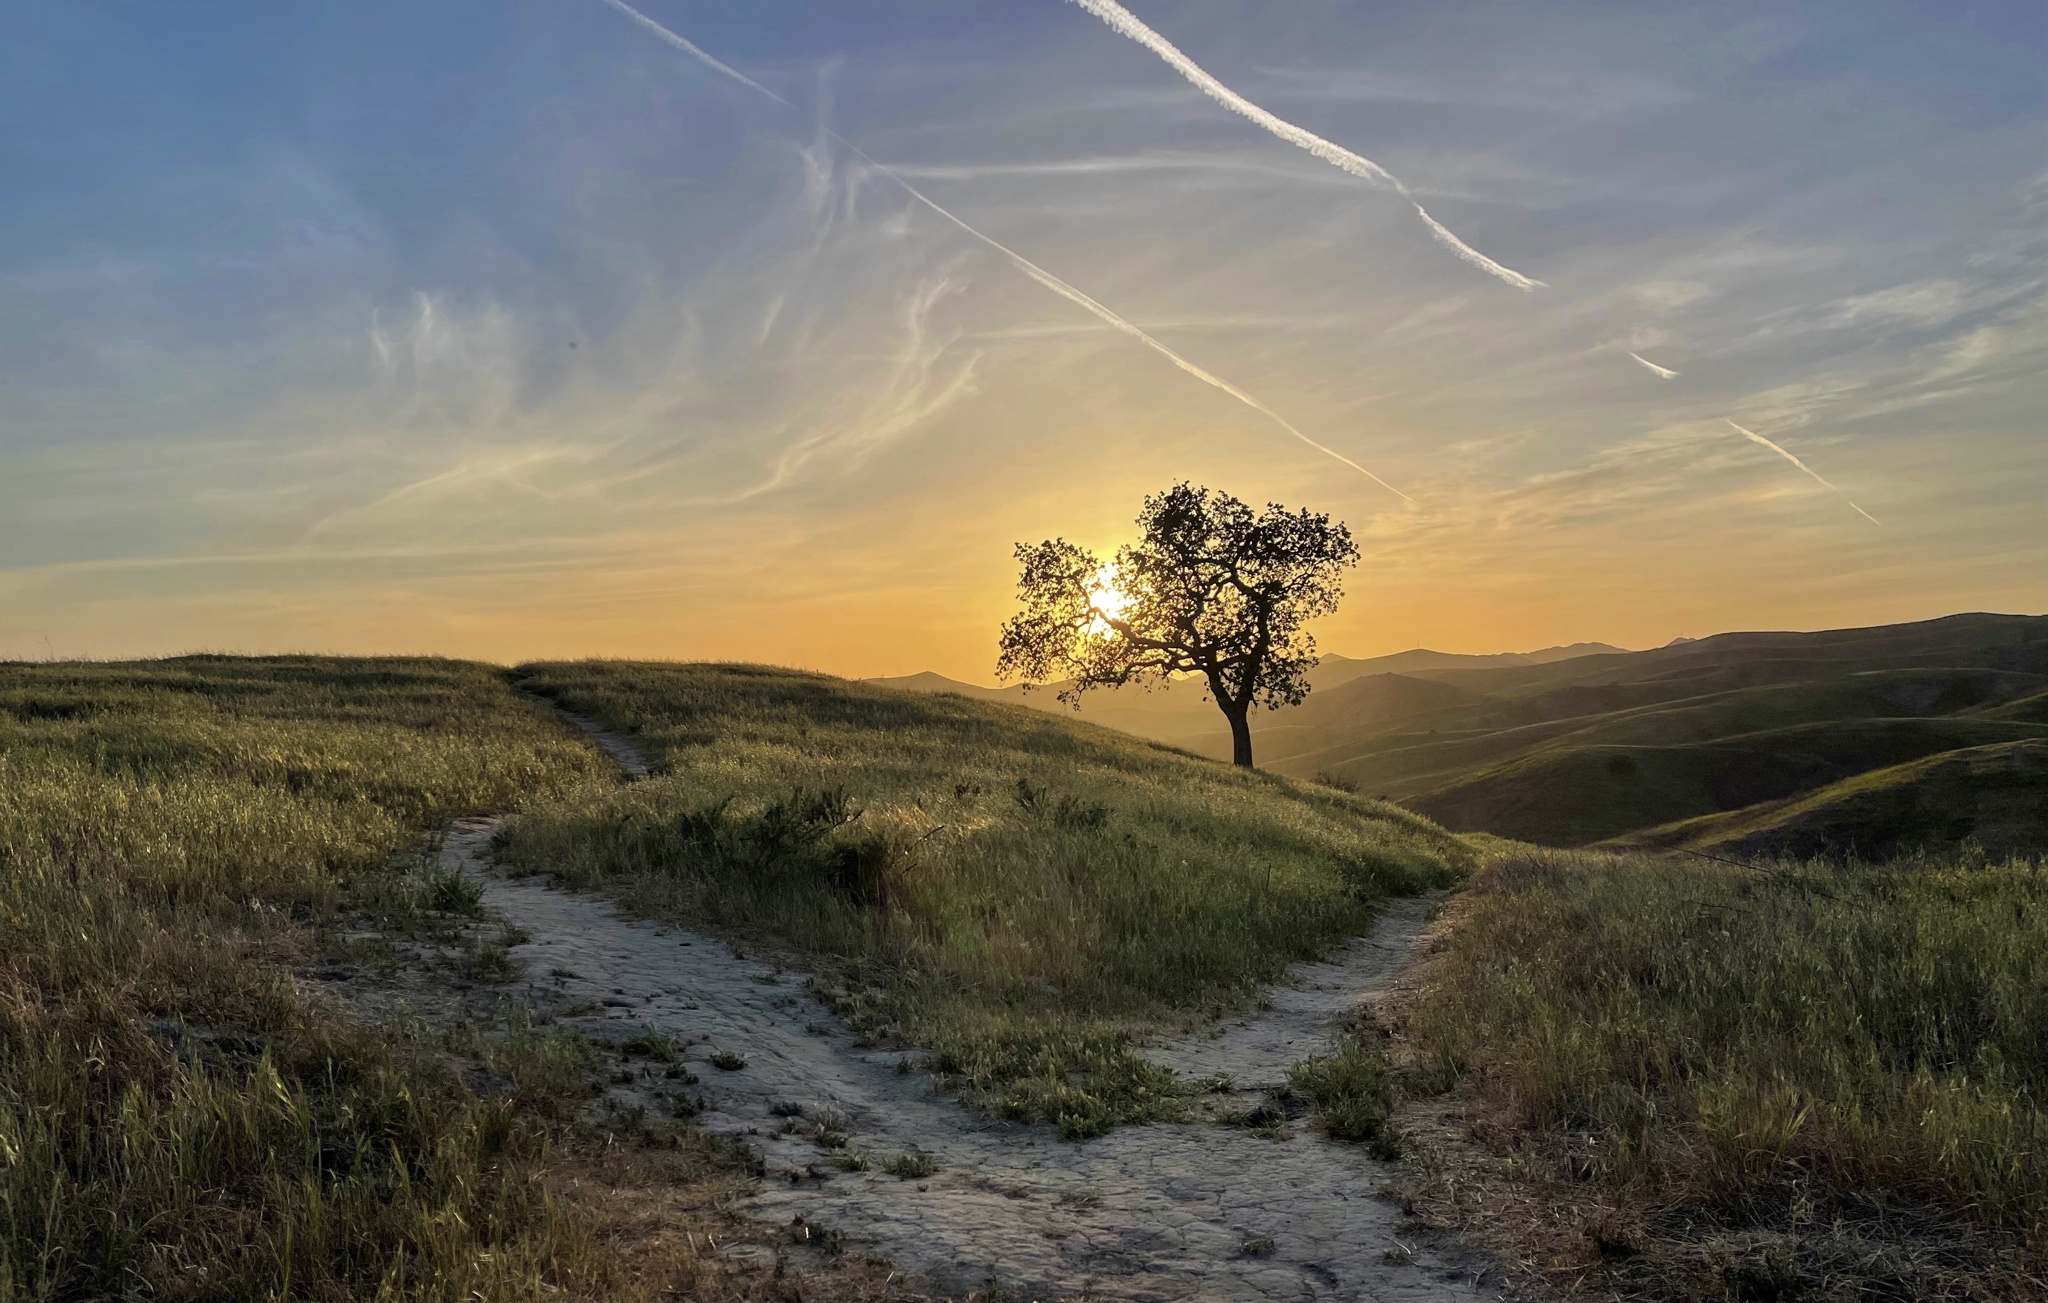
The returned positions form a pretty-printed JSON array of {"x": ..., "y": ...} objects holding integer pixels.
[{"x": 1211, "y": 588}]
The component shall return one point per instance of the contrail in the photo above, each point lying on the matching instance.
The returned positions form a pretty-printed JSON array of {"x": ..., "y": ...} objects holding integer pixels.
[
  {"x": 1125, "y": 23},
  {"x": 1754, "y": 437},
  {"x": 1023, "y": 264},
  {"x": 1664, "y": 371},
  {"x": 695, "y": 51}
]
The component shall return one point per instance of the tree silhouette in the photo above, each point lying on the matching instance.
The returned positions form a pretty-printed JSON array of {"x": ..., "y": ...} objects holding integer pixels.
[{"x": 1210, "y": 588}]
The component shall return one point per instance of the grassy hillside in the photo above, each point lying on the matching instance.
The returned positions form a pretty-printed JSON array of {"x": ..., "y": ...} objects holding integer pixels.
[
  {"x": 1581, "y": 750},
  {"x": 2033, "y": 709},
  {"x": 1580, "y": 744},
  {"x": 1581, "y": 790},
  {"x": 1996, "y": 795},
  {"x": 177, "y": 1118},
  {"x": 1810, "y": 1081},
  {"x": 1018, "y": 892}
]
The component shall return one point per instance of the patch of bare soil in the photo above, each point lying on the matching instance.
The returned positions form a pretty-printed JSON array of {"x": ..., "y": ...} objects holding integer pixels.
[
  {"x": 653, "y": 1202},
  {"x": 854, "y": 1145}
]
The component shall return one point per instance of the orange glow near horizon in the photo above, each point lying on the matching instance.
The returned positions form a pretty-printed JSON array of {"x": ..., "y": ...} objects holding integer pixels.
[{"x": 691, "y": 382}]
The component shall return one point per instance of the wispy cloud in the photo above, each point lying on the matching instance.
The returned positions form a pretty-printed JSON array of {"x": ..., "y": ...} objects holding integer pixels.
[
  {"x": 1092, "y": 165},
  {"x": 1756, "y": 438},
  {"x": 916, "y": 388},
  {"x": 1023, "y": 264},
  {"x": 1663, "y": 371},
  {"x": 1125, "y": 23}
]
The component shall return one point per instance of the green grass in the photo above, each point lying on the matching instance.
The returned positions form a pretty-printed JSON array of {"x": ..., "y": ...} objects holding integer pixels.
[
  {"x": 1571, "y": 795},
  {"x": 1016, "y": 892},
  {"x": 1351, "y": 1093},
  {"x": 1595, "y": 748},
  {"x": 177, "y": 1120},
  {"x": 910, "y": 1167},
  {"x": 1792, "y": 1051},
  {"x": 1992, "y": 795},
  {"x": 2033, "y": 710}
]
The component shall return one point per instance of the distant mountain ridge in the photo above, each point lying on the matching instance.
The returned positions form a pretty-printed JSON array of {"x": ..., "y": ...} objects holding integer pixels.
[
  {"x": 1330, "y": 671},
  {"x": 1756, "y": 739}
]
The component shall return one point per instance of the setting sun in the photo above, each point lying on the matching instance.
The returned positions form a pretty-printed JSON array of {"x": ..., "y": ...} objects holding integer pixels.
[{"x": 1106, "y": 600}]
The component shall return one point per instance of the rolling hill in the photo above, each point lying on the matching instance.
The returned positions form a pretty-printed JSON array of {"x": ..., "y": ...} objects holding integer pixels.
[
  {"x": 1996, "y": 794},
  {"x": 1181, "y": 713},
  {"x": 1589, "y": 743}
]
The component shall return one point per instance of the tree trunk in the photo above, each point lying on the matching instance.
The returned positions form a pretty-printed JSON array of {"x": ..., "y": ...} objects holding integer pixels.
[{"x": 1240, "y": 737}]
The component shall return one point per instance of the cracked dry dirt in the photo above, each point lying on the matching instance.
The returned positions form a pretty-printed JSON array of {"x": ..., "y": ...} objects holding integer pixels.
[{"x": 1166, "y": 1212}]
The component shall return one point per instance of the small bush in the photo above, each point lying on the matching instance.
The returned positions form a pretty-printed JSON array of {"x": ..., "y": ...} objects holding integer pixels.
[
  {"x": 1069, "y": 813},
  {"x": 450, "y": 893},
  {"x": 828, "y": 1130},
  {"x": 487, "y": 962}
]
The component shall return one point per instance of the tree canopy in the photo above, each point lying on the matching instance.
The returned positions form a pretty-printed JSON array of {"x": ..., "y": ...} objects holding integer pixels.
[{"x": 1211, "y": 588}]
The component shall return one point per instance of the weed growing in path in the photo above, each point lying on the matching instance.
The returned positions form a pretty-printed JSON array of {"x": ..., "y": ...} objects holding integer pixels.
[
  {"x": 1351, "y": 1092},
  {"x": 910, "y": 1167}
]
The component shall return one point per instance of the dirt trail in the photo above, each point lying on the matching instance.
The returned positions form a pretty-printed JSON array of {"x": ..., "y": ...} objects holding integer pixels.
[{"x": 1170, "y": 1212}]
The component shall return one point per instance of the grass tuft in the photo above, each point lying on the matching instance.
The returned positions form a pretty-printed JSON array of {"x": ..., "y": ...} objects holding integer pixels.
[
  {"x": 910, "y": 1167},
  {"x": 1351, "y": 1092}
]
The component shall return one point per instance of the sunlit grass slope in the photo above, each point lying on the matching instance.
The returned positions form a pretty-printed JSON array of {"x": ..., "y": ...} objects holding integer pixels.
[
  {"x": 1830, "y": 1056},
  {"x": 176, "y": 1119},
  {"x": 1996, "y": 795},
  {"x": 1021, "y": 891},
  {"x": 1570, "y": 795}
]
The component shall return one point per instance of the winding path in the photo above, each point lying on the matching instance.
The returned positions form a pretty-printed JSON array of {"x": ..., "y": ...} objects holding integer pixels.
[{"x": 1164, "y": 1212}]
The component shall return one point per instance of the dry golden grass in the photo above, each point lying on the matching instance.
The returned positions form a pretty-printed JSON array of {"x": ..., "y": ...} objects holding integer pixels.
[
  {"x": 177, "y": 1118},
  {"x": 1694, "y": 1080}
]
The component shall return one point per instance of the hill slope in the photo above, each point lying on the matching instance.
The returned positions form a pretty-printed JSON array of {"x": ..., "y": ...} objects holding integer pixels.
[
  {"x": 1182, "y": 715},
  {"x": 1582, "y": 792},
  {"x": 1017, "y": 891},
  {"x": 1577, "y": 752},
  {"x": 1569, "y": 748},
  {"x": 1995, "y": 795}
]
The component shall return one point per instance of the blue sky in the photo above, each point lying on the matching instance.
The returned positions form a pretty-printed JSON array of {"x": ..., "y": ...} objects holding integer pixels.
[{"x": 507, "y": 330}]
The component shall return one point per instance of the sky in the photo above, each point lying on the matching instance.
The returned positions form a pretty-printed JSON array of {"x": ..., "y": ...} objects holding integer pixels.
[{"x": 511, "y": 330}]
